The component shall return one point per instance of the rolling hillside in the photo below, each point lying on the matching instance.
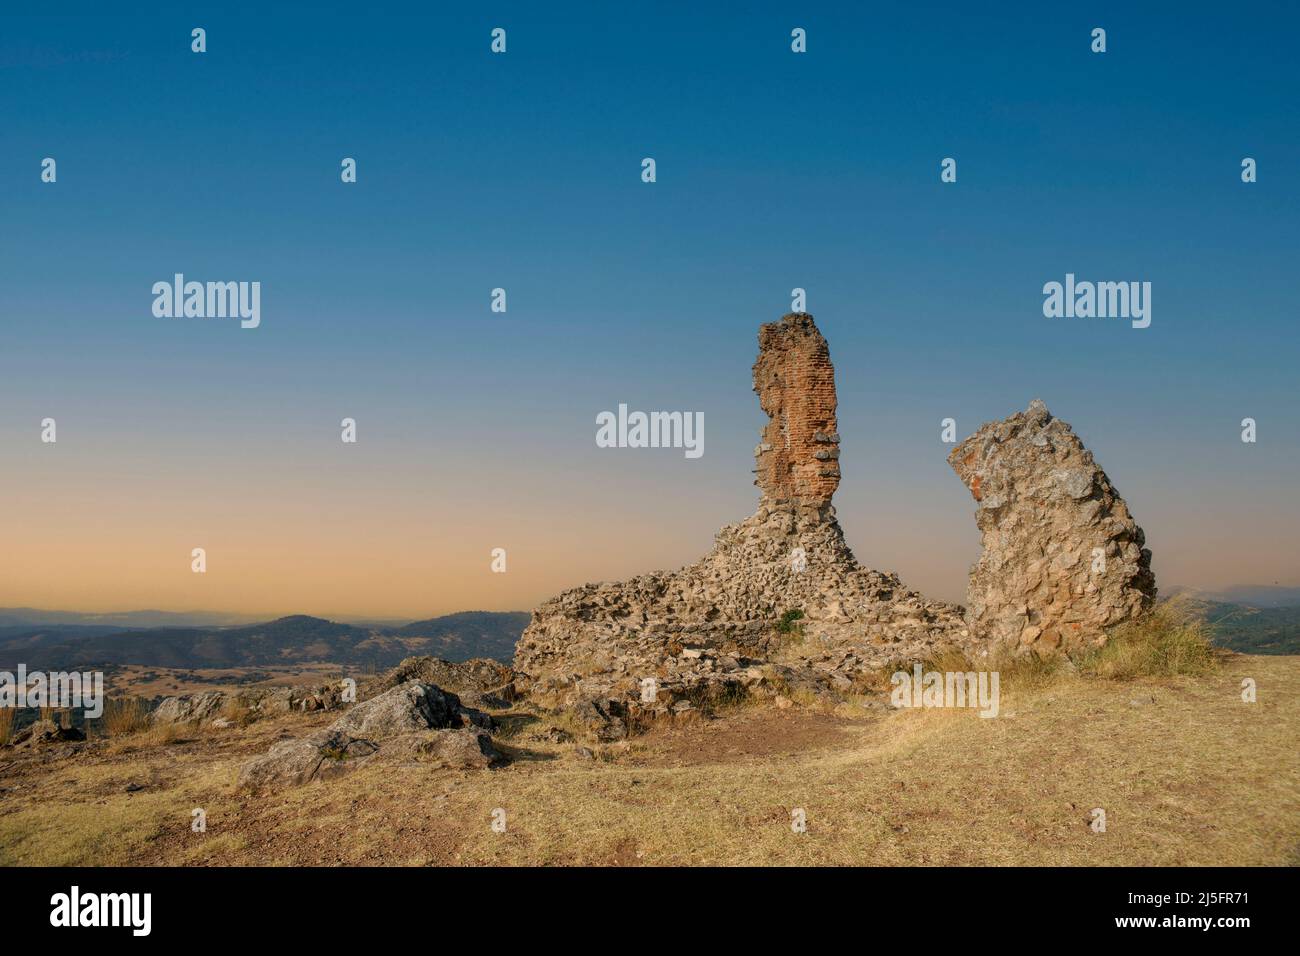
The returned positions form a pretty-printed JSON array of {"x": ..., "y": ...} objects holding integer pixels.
[{"x": 297, "y": 639}]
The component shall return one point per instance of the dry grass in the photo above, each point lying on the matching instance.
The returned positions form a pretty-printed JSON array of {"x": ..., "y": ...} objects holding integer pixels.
[
  {"x": 1187, "y": 772},
  {"x": 238, "y": 711},
  {"x": 83, "y": 817},
  {"x": 1169, "y": 641},
  {"x": 124, "y": 715},
  {"x": 1191, "y": 775},
  {"x": 149, "y": 737},
  {"x": 61, "y": 716}
]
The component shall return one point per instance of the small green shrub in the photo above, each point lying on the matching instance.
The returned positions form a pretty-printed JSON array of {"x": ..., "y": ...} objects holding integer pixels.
[{"x": 788, "y": 623}]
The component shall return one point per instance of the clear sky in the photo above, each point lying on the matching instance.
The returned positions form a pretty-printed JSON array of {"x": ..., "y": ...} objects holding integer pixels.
[{"x": 523, "y": 171}]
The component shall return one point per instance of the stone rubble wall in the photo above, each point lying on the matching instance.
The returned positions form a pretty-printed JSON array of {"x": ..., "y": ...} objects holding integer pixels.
[
  {"x": 712, "y": 628},
  {"x": 706, "y": 629}
]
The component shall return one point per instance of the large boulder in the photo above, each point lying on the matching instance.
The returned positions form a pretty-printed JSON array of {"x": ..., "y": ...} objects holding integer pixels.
[
  {"x": 412, "y": 706},
  {"x": 189, "y": 709},
  {"x": 412, "y": 721},
  {"x": 479, "y": 682},
  {"x": 460, "y": 748},
  {"x": 320, "y": 756},
  {"x": 1063, "y": 559}
]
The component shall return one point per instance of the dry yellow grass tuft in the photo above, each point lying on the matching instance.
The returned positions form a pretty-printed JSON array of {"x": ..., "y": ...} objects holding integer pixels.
[
  {"x": 149, "y": 737},
  {"x": 61, "y": 716},
  {"x": 238, "y": 711},
  {"x": 1169, "y": 641},
  {"x": 124, "y": 715}
]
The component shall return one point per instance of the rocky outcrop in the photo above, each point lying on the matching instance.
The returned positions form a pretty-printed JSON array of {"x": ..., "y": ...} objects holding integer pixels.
[
  {"x": 1063, "y": 559},
  {"x": 320, "y": 756},
  {"x": 479, "y": 682},
  {"x": 261, "y": 702},
  {"x": 706, "y": 630},
  {"x": 189, "y": 708},
  {"x": 411, "y": 721},
  {"x": 43, "y": 732},
  {"x": 409, "y": 708}
]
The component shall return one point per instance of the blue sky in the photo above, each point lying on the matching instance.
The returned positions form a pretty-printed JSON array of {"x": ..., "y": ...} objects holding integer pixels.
[{"x": 775, "y": 170}]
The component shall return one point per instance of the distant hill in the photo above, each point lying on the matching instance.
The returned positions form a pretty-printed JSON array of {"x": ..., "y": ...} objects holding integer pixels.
[
  {"x": 298, "y": 639},
  {"x": 122, "y": 620},
  {"x": 1260, "y": 595},
  {"x": 1254, "y": 630},
  {"x": 1269, "y": 624},
  {"x": 69, "y": 640},
  {"x": 458, "y": 637}
]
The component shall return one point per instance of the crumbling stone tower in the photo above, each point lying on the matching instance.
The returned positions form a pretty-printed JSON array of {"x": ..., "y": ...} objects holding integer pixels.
[
  {"x": 798, "y": 456},
  {"x": 708, "y": 624}
]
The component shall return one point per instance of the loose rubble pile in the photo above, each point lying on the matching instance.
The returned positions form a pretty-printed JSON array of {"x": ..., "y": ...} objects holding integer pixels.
[
  {"x": 781, "y": 602},
  {"x": 669, "y": 641},
  {"x": 45, "y": 731}
]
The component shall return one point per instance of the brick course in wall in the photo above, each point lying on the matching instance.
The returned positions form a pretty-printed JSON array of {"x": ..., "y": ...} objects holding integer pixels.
[{"x": 798, "y": 454}]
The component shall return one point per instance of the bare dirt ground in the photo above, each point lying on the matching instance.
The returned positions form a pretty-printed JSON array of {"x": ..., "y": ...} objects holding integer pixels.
[{"x": 1186, "y": 772}]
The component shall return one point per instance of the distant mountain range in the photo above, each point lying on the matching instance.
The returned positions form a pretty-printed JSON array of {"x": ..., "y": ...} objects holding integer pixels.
[
  {"x": 1253, "y": 630},
  {"x": 297, "y": 639},
  {"x": 124, "y": 620},
  {"x": 1258, "y": 595},
  {"x": 1251, "y": 619},
  {"x": 1260, "y": 619}
]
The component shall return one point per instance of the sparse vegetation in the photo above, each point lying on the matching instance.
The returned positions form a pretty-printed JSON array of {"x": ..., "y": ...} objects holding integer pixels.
[
  {"x": 148, "y": 737},
  {"x": 237, "y": 710},
  {"x": 124, "y": 715},
  {"x": 1169, "y": 641},
  {"x": 1193, "y": 776},
  {"x": 789, "y": 627}
]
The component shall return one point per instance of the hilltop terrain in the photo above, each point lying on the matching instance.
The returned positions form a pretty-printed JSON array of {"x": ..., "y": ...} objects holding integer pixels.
[{"x": 1186, "y": 771}]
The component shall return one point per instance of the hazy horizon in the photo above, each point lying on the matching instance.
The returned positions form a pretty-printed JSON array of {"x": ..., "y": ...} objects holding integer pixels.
[
  {"x": 221, "y": 618},
  {"x": 476, "y": 430}
]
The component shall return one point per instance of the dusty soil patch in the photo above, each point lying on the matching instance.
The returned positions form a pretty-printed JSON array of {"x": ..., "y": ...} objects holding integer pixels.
[{"x": 744, "y": 734}]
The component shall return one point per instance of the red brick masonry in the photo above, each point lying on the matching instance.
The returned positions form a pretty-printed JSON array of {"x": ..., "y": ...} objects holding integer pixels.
[{"x": 798, "y": 457}]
